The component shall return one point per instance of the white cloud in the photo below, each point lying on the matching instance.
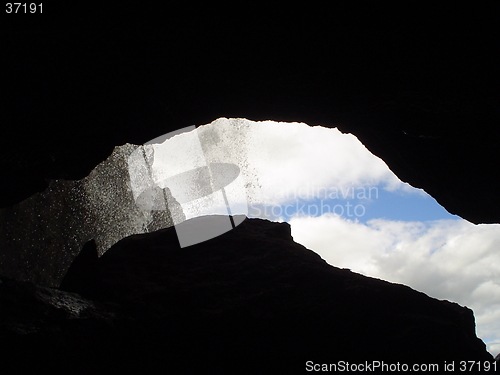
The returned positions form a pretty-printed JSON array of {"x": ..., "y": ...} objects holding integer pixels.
[
  {"x": 447, "y": 259},
  {"x": 294, "y": 159}
]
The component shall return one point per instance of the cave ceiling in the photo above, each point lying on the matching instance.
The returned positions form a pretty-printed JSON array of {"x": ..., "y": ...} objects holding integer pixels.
[{"x": 419, "y": 88}]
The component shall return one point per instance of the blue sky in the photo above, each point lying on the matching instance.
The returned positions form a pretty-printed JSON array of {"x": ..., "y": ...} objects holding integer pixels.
[
  {"x": 395, "y": 232},
  {"x": 381, "y": 204},
  {"x": 406, "y": 207}
]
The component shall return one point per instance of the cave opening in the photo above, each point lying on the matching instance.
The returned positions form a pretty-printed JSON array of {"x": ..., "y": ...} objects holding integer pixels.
[{"x": 340, "y": 200}]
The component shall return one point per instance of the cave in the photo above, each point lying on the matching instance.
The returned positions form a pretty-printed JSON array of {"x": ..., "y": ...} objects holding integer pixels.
[{"x": 418, "y": 90}]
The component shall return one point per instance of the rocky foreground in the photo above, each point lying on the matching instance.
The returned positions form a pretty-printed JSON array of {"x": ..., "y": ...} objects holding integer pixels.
[{"x": 249, "y": 301}]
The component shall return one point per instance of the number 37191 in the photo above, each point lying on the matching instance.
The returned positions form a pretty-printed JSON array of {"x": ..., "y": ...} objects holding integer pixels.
[{"x": 23, "y": 8}]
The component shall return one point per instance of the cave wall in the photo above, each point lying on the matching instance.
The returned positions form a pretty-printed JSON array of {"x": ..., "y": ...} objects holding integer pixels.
[
  {"x": 416, "y": 84},
  {"x": 41, "y": 236}
]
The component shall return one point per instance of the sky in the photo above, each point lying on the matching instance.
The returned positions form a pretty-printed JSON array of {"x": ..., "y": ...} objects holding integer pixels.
[{"x": 345, "y": 204}]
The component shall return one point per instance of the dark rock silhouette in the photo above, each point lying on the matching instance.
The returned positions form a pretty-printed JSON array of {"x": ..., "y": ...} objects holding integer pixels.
[
  {"x": 250, "y": 299},
  {"x": 84, "y": 276},
  {"x": 50, "y": 329}
]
